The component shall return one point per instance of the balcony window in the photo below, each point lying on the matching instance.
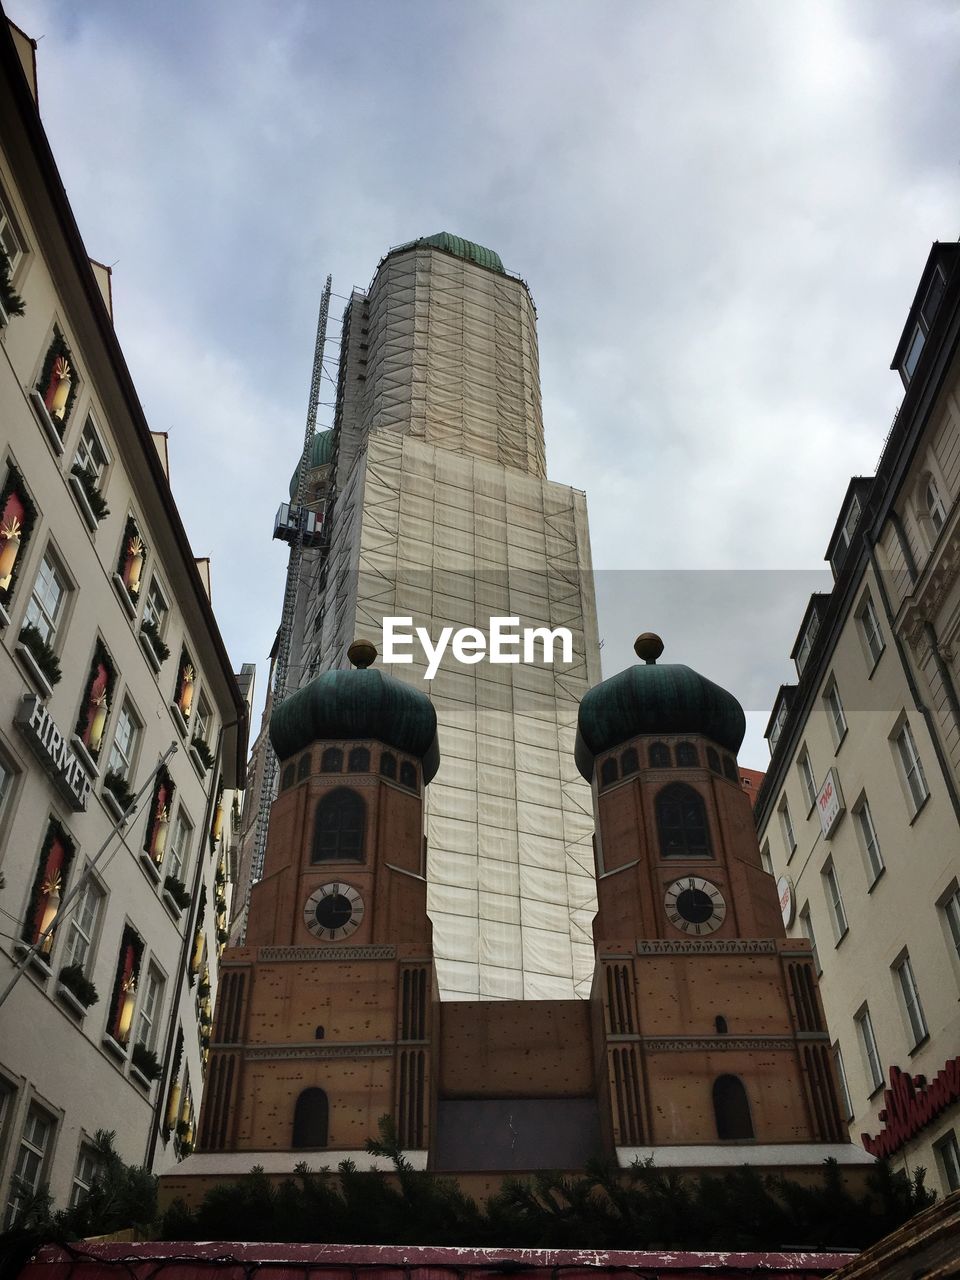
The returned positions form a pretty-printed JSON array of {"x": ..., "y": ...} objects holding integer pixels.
[
  {"x": 868, "y": 1045},
  {"x": 910, "y": 995}
]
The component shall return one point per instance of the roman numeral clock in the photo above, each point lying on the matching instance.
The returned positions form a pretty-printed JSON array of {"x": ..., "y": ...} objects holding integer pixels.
[{"x": 694, "y": 905}]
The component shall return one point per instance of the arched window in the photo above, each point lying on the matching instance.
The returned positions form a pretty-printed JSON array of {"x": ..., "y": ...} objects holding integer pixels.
[
  {"x": 332, "y": 760},
  {"x": 629, "y": 762},
  {"x": 730, "y": 769},
  {"x": 408, "y": 775},
  {"x": 659, "y": 755},
  {"x": 720, "y": 1023},
  {"x": 303, "y": 768},
  {"x": 731, "y": 1108},
  {"x": 608, "y": 771},
  {"x": 359, "y": 761},
  {"x": 713, "y": 760},
  {"x": 388, "y": 765},
  {"x": 338, "y": 828},
  {"x": 310, "y": 1119},
  {"x": 682, "y": 822},
  {"x": 686, "y": 754},
  {"x": 288, "y": 775}
]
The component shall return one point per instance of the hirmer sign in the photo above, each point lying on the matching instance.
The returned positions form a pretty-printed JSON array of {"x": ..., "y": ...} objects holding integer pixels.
[
  {"x": 50, "y": 746},
  {"x": 506, "y": 643}
]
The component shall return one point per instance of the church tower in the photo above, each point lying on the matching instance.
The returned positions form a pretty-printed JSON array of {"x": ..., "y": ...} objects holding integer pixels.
[
  {"x": 332, "y": 994},
  {"x": 708, "y": 1022}
]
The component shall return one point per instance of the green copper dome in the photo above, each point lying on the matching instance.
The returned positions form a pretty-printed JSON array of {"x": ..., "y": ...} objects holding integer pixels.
[
  {"x": 321, "y": 452},
  {"x": 653, "y": 699},
  {"x": 358, "y": 704},
  {"x": 462, "y": 248}
]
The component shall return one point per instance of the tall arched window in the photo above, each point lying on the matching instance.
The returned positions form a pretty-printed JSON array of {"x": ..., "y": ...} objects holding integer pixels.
[
  {"x": 338, "y": 828},
  {"x": 388, "y": 765},
  {"x": 730, "y": 769},
  {"x": 332, "y": 760},
  {"x": 731, "y": 1108},
  {"x": 713, "y": 759},
  {"x": 408, "y": 775},
  {"x": 288, "y": 776},
  {"x": 310, "y": 1119},
  {"x": 686, "y": 755},
  {"x": 682, "y": 822},
  {"x": 608, "y": 771},
  {"x": 303, "y": 767},
  {"x": 359, "y": 761},
  {"x": 629, "y": 762},
  {"x": 659, "y": 755}
]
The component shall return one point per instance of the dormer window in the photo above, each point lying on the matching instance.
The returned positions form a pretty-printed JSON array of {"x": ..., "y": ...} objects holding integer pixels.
[
  {"x": 779, "y": 720},
  {"x": 913, "y": 352},
  {"x": 806, "y": 642},
  {"x": 921, "y": 329},
  {"x": 849, "y": 526}
]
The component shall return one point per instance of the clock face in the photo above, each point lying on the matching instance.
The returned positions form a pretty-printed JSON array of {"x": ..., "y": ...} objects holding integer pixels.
[
  {"x": 694, "y": 905},
  {"x": 333, "y": 911}
]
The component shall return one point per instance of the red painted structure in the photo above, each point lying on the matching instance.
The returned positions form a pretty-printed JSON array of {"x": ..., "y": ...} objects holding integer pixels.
[{"x": 169, "y": 1260}]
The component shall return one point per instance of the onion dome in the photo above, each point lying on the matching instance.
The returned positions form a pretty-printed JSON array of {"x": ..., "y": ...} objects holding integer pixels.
[
  {"x": 460, "y": 248},
  {"x": 652, "y": 699},
  {"x": 321, "y": 453},
  {"x": 360, "y": 703}
]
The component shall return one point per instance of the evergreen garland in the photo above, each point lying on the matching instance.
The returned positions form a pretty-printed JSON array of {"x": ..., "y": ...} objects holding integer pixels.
[
  {"x": 149, "y": 628},
  {"x": 14, "y": 484},
  {"x": 130, "y": 530},
  {"x": 163, "y": 782},
  {"x": 43, "y": 655},
  {"x": 132, "y": 939},
  {"x": 58, "y": 347},
  {"x": 55, "y": 831},
  {"x": 100, "y": 655},
  {"x": 12, "y": 302},
  {"x": 93, "y": 495},
  {"x": 77, "y": 982},
  {"x": 184, "y": 663}
]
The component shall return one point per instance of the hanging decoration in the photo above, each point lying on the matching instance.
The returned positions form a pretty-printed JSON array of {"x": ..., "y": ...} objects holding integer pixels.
[
  {"x": 124, "y": 996},
  {"x": 216, "y": 827},
  {"x": 96, "y": 701},
  {"x": 57, "y": 384},
  {"x": 17, "y": 518},
  {"x": 156, "y": 836},
  {"x": 56, "y": 855},
  {"x": 185, "y": 685},
  {"x": 133, "y": 555}
]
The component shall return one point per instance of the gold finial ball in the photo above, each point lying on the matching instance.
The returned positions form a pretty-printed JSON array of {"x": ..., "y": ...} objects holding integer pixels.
[
  {"x": 362, "y": 653},
  {"x": 648, "y": 647}
]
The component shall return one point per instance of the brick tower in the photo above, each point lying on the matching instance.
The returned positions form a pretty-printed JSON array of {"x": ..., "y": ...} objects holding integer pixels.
[{"x": 708, "y": 1023}]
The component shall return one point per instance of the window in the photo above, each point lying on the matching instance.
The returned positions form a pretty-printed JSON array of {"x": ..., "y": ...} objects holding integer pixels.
[
  {"x": 125, "y": 739},
  {"x": 806, "y": 924},
  {"x": 948, "y": 1158},
  {"x": 831, "y": 887},
  {"x": 91, "y": 455},
  {"x": 933, "y": 505},
  {"x": 951, "y": 911},
  {"x": 31, "y": 1160},
  {"x": 629, "y": 762},
  {"x": 408, "y": 775},
  {"x": 730, "y": 770},
  {"x": 10, "y": 240},
  {"x": 7, "y": 778},
  {"x": 82, "y": 924},
  {"x": 659, "y": 755},
  {"x": 178, "y": 847},
  {"x": 682, "y": 822},
  {"x": 713, "y": 760},
  {"x": 156, "y": 609},
  {"x": 310, "y": 1119},
  {"x": 45, "y": 608},
  {"x": 849, "y": 526},
  {"x": 388, "y": 765},
  {"x": 608, "y": 771},
  {"x": 869, "y": 843},
  {"x": 765, "y": 860},
  {"x": 806, "y": 642},
  {"x": 786, "y": 825},
  {"x": 807, "y": 779},
  {"x": 288, "y": 777},
  {"x": 88, "y": 1166},
  {"x": 151, "y": 997},
  {"x": 913, "y": 352},
  {"x": 303, "y": 766},
  {"x": 731, "y": 1109},
  {"x": 338, "y": 828},
  {"x": 911, "y": 999},
  {"x": 838, "y": 721},
  {"x": 359, "y": 760},
  {"x": 842, "y": 1078},
  {"x": 686, "y": 755},
  {"x": 332, "y": 760},
  {"x": 911, "y": 768},
  {"x": 779, "y": 721},
  {"x": 870, "y": 630},
  {"x": 201, "y": 720},
  {"x": 868, "y": 1043}
]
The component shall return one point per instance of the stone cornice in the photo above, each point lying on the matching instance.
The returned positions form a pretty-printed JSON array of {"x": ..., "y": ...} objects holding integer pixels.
[
  {"x": 375, "y": 951},
  {"x": 706, "y": 947}
]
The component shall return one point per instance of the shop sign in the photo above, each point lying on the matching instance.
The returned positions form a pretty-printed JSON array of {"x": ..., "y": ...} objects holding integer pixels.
[
  {"x": 51, "y": 747},
  {"x": 788, "y": 901},
  {"x": 910, "y": 1104},
  {"x": 830, "y": 803}
]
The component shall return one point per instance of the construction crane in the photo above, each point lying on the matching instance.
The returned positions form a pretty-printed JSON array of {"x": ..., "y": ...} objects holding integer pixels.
[{"x": 298, "y": 526}]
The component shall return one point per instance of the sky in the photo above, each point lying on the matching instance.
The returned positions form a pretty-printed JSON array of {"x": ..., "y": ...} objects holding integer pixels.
[{"x": 721, "y": 207}]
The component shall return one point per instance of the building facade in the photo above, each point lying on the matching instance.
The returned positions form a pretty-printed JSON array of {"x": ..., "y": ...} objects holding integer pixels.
[
  {"x": 703, "y": 1044},
  {"x": 859, "y": 814},
  {"x": 113, "y": 850},
  {"x": 437, "y": 509}
]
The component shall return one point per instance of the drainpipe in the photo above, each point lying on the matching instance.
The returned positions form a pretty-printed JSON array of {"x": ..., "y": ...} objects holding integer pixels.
[
  {"x": 914, "y": 690},
  {"x": 162, "y": 1092}
]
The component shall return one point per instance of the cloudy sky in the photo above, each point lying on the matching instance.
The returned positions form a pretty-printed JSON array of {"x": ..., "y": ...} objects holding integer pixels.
[{"x": 722, "y": 208}]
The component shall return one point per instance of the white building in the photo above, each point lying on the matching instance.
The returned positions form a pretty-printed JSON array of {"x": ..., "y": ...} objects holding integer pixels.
[
  {"x": 860, "y": 810},
  {"x": 109, "y": 653},
  {"x": 443, "y": 514}
]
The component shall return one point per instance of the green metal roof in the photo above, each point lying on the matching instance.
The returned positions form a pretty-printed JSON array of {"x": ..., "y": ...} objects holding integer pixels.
[
  {"x": 358, "y": 703},
  {"x": 321, "y": 452},
  {"x": 462, "y": 248},
  {"x": 652, "y": 699}
]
